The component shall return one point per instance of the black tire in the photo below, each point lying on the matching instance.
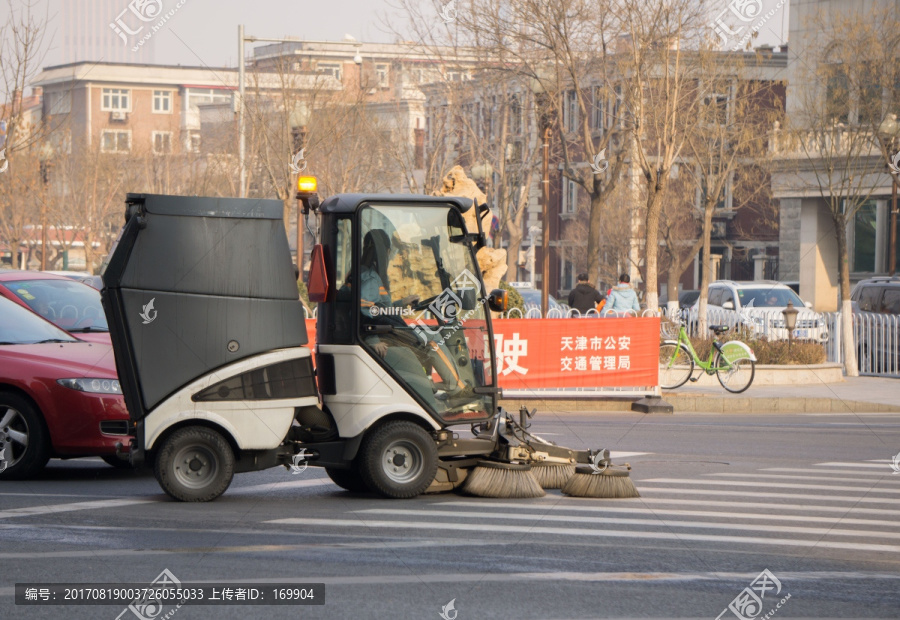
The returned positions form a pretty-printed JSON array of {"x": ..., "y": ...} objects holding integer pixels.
[
  {"x": 737, "y": 378},
  {"x": 347, "y": 479},
  {"x": 398, "y": 460},
  {"x": 674, "y": 373},
  {"x": 23, "y": 436},
  {"x": 114, "y": 461},
  {"x": 194, "y": 464}
]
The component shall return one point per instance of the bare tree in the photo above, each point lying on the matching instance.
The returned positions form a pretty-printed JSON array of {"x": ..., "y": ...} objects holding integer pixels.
[
  {"x": 727, "y": 149},
  {"x": 660, "y": 72},
  {"x": 847, "y": 87}
]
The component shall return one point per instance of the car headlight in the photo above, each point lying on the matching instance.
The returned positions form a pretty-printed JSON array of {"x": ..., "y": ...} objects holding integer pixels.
[{"x": 92, "y": 386}]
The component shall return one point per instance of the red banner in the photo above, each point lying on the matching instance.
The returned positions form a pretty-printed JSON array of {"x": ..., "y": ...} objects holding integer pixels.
[{"x": 564, "y": 353}]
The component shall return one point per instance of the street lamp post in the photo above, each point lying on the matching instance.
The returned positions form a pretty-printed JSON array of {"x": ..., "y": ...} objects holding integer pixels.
[
  {"x": 540, "y": 95},
  {"x": 299, "y": 122},
  {"x": 790, "y": 322},
  {"x": 888, "y": 132}
]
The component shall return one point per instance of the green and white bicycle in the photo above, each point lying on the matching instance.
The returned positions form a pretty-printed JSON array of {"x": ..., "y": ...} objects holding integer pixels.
[{"x": 733, "y": 362}]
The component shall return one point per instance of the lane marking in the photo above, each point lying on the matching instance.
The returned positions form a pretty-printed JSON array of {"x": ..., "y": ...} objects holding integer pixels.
[
  {"x": 833, "y": 498},
  {"x": 440, "y": 526},
  {"x": 57, "y": 508},
  {"x": 783, "y": 477},
  {"x": 863, "y": 473},
  {"x": 784, "y": 529},
  {"x": 682, "y": 513},
  {"x": 739, "y": 483},
  {"x": 399, "y": 544},
  {"x": 862, "y": 465}
]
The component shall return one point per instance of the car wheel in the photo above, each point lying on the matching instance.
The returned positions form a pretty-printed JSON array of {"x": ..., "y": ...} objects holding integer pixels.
[
  {"x": 398, "y": 460},
  {"x": 114, "y": 461},
  {"x": 24, "y": 439},
  {"x": 194, "y": 464},
  {"x": 347, "y": 479}
]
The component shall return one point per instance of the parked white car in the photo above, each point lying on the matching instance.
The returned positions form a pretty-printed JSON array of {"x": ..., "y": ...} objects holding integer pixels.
[{"x": 759, "y": 306}]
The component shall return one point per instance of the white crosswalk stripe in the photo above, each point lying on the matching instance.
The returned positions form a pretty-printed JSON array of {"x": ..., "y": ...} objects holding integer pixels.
[{"x": 756, "y": 510}]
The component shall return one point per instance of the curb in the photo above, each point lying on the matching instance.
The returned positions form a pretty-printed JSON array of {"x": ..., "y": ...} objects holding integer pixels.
[{"x": 683, "y": 403}]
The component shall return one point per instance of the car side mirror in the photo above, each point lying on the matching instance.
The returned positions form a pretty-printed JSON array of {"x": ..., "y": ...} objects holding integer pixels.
[
  {"x": 808, "y": 304},
  {"x": 728, "y": 305},
  {"x": 498, "y": 300}
]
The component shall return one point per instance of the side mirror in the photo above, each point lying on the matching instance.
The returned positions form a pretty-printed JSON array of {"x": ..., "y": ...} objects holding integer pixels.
[
  {"x": 498, "y": 300},
  {"x": 728, "y": 305},
  {"x": 808, "y": 304}
]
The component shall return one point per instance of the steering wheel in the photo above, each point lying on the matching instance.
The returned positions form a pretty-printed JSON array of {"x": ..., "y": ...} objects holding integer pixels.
[{"x": 62, "y": 313}]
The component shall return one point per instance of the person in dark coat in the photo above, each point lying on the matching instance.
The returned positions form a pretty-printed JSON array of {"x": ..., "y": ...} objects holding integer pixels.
[{"x": 584, "y": 297}]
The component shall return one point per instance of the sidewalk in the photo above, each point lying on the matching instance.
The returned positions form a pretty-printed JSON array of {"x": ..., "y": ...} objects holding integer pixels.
[{"x": 852, "y": 395}]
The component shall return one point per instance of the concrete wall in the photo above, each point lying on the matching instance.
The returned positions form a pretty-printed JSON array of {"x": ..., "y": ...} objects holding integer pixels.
[
  {"x": 818, "y": 255},
  {"x": 789, "y": 246}
]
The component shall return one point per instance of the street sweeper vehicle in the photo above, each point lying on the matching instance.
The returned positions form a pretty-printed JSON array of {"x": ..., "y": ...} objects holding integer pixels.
[{"x": 212, "y": 354}]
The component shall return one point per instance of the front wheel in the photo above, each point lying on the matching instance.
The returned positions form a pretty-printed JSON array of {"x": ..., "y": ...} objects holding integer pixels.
[
  {"x": 736, "y": 375},
  {"x": 194, "y": 464},
  {"x": 398, "y": 460},
  {"x": 676, "y": 365},
  {"x": 24, "y": 444}
]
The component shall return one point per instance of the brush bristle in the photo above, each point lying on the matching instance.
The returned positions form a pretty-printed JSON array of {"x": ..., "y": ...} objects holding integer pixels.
[
  {"x": 600, "y": 486},
  {"x": 552, "y": 475},
  {"x": 502, "y": 483}
]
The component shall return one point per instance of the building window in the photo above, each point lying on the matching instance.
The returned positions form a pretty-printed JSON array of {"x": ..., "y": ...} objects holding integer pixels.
[
  {"x": 865, "y": 238},
  {"x": 330, "y": 68},
  {"x": 162, "y": 101},
  {"x": 515, "y": 116},
  {"x": 112, "y": 141},
  {"x": 382, "y": 72},
  {"x": 837, "y": 94},
  {"x": 569, "y": 203},
  {"x": 198, "y": 96},
  {"x": 162, "y": 142},
  {"x": 59, "y": 102},
  {"x": 115, "y": 100},
  {"x": 725, "y": 199},
  {"x": 193, "y": 144},
  {"x": 716, "y": 113},
  {"x": 570, "y": 111},
  {"x": 457, "y": 75},
  {"x": 597, "y": 104}
]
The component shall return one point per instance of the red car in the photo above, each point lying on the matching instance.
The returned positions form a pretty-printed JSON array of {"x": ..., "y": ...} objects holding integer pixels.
[
  {"x": 69, "y": 304},
  {"x": 59, "y": 396}
]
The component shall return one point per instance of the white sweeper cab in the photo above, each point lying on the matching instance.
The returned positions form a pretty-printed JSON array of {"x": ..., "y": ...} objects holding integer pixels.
[{"x": 212, "y": 354}]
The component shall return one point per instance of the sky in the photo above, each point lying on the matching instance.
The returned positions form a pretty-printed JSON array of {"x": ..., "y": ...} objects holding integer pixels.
[{"x": 204, "y": 32}]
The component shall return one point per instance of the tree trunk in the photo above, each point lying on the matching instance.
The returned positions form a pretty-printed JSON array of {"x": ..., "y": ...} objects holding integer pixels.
[
  {"x": 849, "y": 346},
  {"x": 674, "y": 276},
  {"x": 703, "y": 307},
  {"x": 512, "y": 252},
  {"x": 651, "y": 248},
  {"x": 593, "y": 246}
]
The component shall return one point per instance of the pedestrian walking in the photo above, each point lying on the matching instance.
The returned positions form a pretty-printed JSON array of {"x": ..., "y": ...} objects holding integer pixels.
[
  {"x": 584, "y": 297},
  {"x": 623, "y": 297}
]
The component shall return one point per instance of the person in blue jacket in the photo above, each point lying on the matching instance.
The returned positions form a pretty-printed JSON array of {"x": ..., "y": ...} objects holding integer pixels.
[{"x": 622, "y": 298}]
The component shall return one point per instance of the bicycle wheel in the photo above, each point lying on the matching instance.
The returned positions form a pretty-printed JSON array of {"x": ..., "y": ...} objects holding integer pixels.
[
  {"x": 676, "y": 364},
  {"x": 735, "y": 375}
]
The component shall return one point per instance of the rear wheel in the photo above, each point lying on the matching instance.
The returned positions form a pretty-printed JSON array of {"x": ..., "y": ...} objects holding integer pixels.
[
  {"x": 398, "y": 460},
  {"x": 24, "y": 440},
  {"x": 194, "y": 464},
  {"x": 676, "y": 365},
  {"x": 737, "y": 375},
  {"x": 347, "y": 479}
]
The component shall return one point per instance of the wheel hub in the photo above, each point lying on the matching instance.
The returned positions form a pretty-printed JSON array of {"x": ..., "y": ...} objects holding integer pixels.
[
  {"x": 402, "y": 461},
  {"x": 195, "y": 466}
]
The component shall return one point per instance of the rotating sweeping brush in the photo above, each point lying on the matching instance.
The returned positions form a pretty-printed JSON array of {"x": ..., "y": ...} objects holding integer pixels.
[
  {"x": 588, "y": 481},
  {"x": 552, "y": 475},
  {"x": 504, "y": 480}
]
